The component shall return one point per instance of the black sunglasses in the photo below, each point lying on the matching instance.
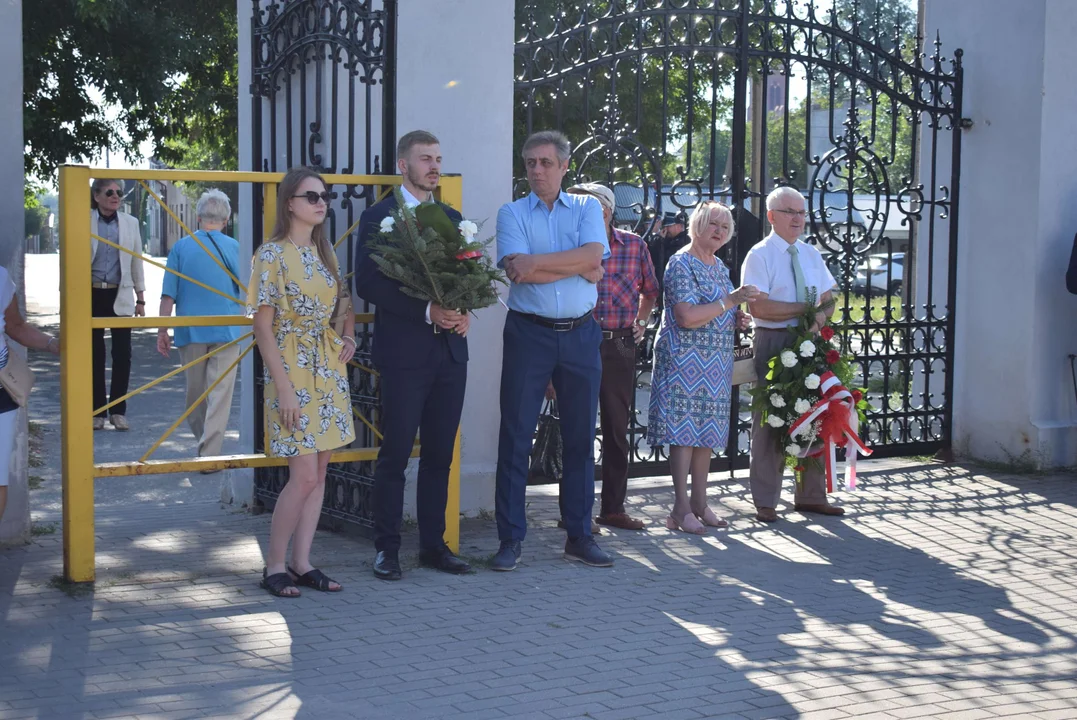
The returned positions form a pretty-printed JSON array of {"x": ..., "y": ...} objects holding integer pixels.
[
  {"x": 313, "y": 197},
  {"x": 110, "y": 192}
]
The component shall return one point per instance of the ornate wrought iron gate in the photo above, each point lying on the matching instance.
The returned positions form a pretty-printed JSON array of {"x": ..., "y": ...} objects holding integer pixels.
[
  {"x": 672, "y": 102},
  {"x": 323, "y": 95}
]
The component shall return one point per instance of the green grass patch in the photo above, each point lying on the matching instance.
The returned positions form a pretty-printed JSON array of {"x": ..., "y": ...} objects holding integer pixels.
[
  {"x": 42, "y": 529},
  {"x": 34, "y": 482},
  {"x": 71, "y": 589},
  {"x": 852, "y": 307}
]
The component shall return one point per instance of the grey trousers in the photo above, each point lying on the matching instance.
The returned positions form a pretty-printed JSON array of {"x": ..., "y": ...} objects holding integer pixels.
[
  {"x": 209, "y": 420},
  {"x": 767, "y": 461}
]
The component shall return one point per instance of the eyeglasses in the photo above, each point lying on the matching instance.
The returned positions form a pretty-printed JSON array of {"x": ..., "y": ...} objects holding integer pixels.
[
  {"x": 793, "y": 213},
  {"x": 110, "y": 192},
  {"x": 313, "y": 197}
]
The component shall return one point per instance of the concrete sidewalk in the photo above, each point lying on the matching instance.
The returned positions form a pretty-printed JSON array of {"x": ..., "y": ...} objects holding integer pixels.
[{"x": 946, "y": 592}]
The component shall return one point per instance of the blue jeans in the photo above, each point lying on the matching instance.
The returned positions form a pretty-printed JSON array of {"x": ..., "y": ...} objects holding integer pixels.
[{"x": 533, "y": 356}]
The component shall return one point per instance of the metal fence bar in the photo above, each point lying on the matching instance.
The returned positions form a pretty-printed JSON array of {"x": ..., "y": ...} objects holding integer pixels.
[{"x": 76, "y": 375}]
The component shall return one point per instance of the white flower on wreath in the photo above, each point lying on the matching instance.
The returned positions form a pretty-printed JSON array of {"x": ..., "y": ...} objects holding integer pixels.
[
  {"x": 775, "y": 421},
  {"x": 801, "y": 406},
  {"x": 777, "y": 400},
  {"x": 468, "y": 229},
  {"x": 788, "y": 358},
  {"x": 812, "y": 382},
  {"x": 792, "y": 449},
  {"x": 807, "y": 349},
  {"x": 387, "y": 224}
]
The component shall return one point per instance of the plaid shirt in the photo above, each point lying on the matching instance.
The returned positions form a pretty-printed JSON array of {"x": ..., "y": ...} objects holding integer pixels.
[{"x": 629, "y": 273}]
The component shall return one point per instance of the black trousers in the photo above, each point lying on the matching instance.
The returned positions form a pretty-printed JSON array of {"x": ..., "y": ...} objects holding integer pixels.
[
  {"x": 427, "y": 399},
  {"x": 615, "y": 407},
  {"x": 102, "y": 301}
]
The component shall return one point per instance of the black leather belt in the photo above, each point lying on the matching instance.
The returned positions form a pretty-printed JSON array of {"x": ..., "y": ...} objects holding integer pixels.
[
  {"x": 619, "y": 332},
  {"x": 555, "y": 324}
]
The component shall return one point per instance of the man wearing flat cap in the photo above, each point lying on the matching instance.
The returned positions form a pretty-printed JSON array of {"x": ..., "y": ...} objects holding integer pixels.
[{"x": 627, "y": 294}]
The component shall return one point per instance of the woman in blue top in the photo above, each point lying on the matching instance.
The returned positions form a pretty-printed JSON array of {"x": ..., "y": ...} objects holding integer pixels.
[{"x": 693, "y": 364}]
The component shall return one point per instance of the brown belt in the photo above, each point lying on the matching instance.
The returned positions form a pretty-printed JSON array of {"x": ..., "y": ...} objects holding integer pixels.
[{"x": 619, "y": 332}]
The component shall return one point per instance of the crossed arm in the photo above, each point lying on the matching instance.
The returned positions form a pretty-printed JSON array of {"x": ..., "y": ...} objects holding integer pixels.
[{"x": 551, "y": 267}]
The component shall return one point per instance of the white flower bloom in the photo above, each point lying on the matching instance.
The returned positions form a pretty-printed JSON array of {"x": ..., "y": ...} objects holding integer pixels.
[
  {"x": 807, "y": 349},
  {"x": 387, "y": 224},
  {"x": 792, "y": 449},
  {"x": 775, "y": 421},
  {"x": 812, "y": 382},
  {"x": 777, "y": 401},
  {"x": 802, "y": 406},
  {"x": 789, "y": 358},
  {"x": 468, "y": 229}
]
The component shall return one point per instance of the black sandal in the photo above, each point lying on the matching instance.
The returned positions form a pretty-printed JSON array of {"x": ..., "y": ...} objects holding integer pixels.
[
  {"x": 277, "y": 583},
  {"x": 317, "y": 580}
]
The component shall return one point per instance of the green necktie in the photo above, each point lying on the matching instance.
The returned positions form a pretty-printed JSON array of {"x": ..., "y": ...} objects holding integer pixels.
[{"x": 798, "y": 274}]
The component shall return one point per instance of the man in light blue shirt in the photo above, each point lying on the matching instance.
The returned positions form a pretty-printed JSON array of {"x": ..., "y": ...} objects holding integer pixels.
[
  {"x": 551, "y": 245},
  {"x": 215, "y": 263}
]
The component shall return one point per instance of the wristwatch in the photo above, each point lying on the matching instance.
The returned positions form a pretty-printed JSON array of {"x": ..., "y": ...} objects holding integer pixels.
[{"x": 641, "y": 323}]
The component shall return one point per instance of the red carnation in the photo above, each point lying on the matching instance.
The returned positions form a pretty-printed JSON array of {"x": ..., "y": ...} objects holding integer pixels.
[
  {"x": 827, "y": 333},
  {"x": 469, "y": 255},
  {"x": 857, "y": 396},
  {"x": 832, "y": 356}
]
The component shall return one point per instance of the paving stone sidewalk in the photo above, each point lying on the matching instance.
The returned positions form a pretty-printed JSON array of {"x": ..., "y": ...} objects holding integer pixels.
[{"x": 947, "y": 591}]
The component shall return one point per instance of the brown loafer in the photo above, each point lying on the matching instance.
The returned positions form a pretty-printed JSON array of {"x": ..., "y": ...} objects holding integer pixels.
[
  {"x": 765, "y": 514},
  {"x": 621, "y": 520},
  {"x": 820, "y": 508},
  {"x": 595, "y": 529}
]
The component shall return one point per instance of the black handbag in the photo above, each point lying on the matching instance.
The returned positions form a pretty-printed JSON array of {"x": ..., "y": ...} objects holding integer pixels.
[{"x": 547, "y": 467}]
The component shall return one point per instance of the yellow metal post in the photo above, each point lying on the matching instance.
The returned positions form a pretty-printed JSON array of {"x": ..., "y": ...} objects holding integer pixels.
[
  {"x": 269, "y": 209},
  {"x": 76, "y": 374},
  {"x": 452, "y": 193}
]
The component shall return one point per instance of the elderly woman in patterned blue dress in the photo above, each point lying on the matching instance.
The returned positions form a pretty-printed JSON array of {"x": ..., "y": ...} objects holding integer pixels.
[{"x": 693, "y": 364}]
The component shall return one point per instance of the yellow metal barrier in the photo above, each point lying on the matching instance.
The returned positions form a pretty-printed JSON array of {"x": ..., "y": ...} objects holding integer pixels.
[{"x": 76, "y": 375}]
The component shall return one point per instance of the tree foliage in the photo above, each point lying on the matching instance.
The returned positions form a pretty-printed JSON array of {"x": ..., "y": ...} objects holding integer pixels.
[{"x": 114, "y": 74}]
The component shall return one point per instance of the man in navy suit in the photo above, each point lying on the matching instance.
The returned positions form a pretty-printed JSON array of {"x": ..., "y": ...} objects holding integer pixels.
[{"x": 420, "y": 352}]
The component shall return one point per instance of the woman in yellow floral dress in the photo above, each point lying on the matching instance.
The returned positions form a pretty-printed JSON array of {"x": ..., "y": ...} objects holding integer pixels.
[{"x": 293, "y": 289}]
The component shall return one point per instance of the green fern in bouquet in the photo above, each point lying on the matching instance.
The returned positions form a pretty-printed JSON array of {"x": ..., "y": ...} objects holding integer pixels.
[{"x": 435, "y": 259}]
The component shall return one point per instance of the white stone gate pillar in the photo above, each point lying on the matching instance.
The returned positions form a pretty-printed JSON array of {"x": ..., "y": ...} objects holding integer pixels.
[{"x": 1016, "y": 323}]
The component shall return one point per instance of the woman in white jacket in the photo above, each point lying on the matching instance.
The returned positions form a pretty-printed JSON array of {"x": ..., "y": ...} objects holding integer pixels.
[{"x": 118, "y": 291}]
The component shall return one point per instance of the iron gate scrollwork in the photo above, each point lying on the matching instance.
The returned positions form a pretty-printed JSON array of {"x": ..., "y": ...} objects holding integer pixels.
[
  {"x": 673, "y": 102},
  {"x": 323, "y": 95}
]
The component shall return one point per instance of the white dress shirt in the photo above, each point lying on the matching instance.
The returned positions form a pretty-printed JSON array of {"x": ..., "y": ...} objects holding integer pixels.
[
  {"x": 411, "y": 201},
  {"x": 769, "y": 267}
]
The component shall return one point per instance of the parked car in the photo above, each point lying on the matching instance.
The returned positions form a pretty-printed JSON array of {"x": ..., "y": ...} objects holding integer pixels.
[{"x": 881, "y": 274}]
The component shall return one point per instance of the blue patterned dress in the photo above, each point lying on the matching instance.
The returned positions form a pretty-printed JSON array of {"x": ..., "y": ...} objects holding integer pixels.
[{"x": 693, "y": 369}]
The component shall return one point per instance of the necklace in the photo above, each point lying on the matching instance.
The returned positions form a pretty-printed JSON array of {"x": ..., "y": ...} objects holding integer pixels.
[{"x": 297, "y": 247}]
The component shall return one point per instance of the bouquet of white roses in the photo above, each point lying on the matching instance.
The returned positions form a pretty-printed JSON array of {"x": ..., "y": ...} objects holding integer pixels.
[{"x": 804, "y": 397}]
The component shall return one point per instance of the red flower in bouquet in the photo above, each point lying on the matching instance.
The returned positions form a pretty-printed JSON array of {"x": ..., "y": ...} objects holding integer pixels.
[
  {"x": 469, "y": 255},
  {"x": 857, "y": 396},
  {"x": 827, "y": 333},
  {"x": 832, "y": 356}
]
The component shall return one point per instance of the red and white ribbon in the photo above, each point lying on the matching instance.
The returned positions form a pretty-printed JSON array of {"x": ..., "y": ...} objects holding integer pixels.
[{"x": 840, "y": 422}]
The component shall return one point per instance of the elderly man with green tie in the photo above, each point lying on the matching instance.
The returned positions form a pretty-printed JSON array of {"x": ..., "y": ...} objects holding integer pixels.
[{"x": 784, "y": 269}]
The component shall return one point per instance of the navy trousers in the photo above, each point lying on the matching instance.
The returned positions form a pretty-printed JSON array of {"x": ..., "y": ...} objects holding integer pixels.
[
  {"x": 533, "y": 356},
  {"x": 427, "y": 399}
]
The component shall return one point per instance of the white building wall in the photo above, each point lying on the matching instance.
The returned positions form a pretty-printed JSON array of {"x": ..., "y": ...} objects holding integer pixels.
[
  {"x": 1014, "y": 398},
  {"x": 15, "y": 525}
]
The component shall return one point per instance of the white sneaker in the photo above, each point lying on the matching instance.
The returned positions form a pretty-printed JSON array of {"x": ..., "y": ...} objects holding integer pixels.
[
  {"x": 119, "y": 422},
  {"x": 98, "y": 423}
]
